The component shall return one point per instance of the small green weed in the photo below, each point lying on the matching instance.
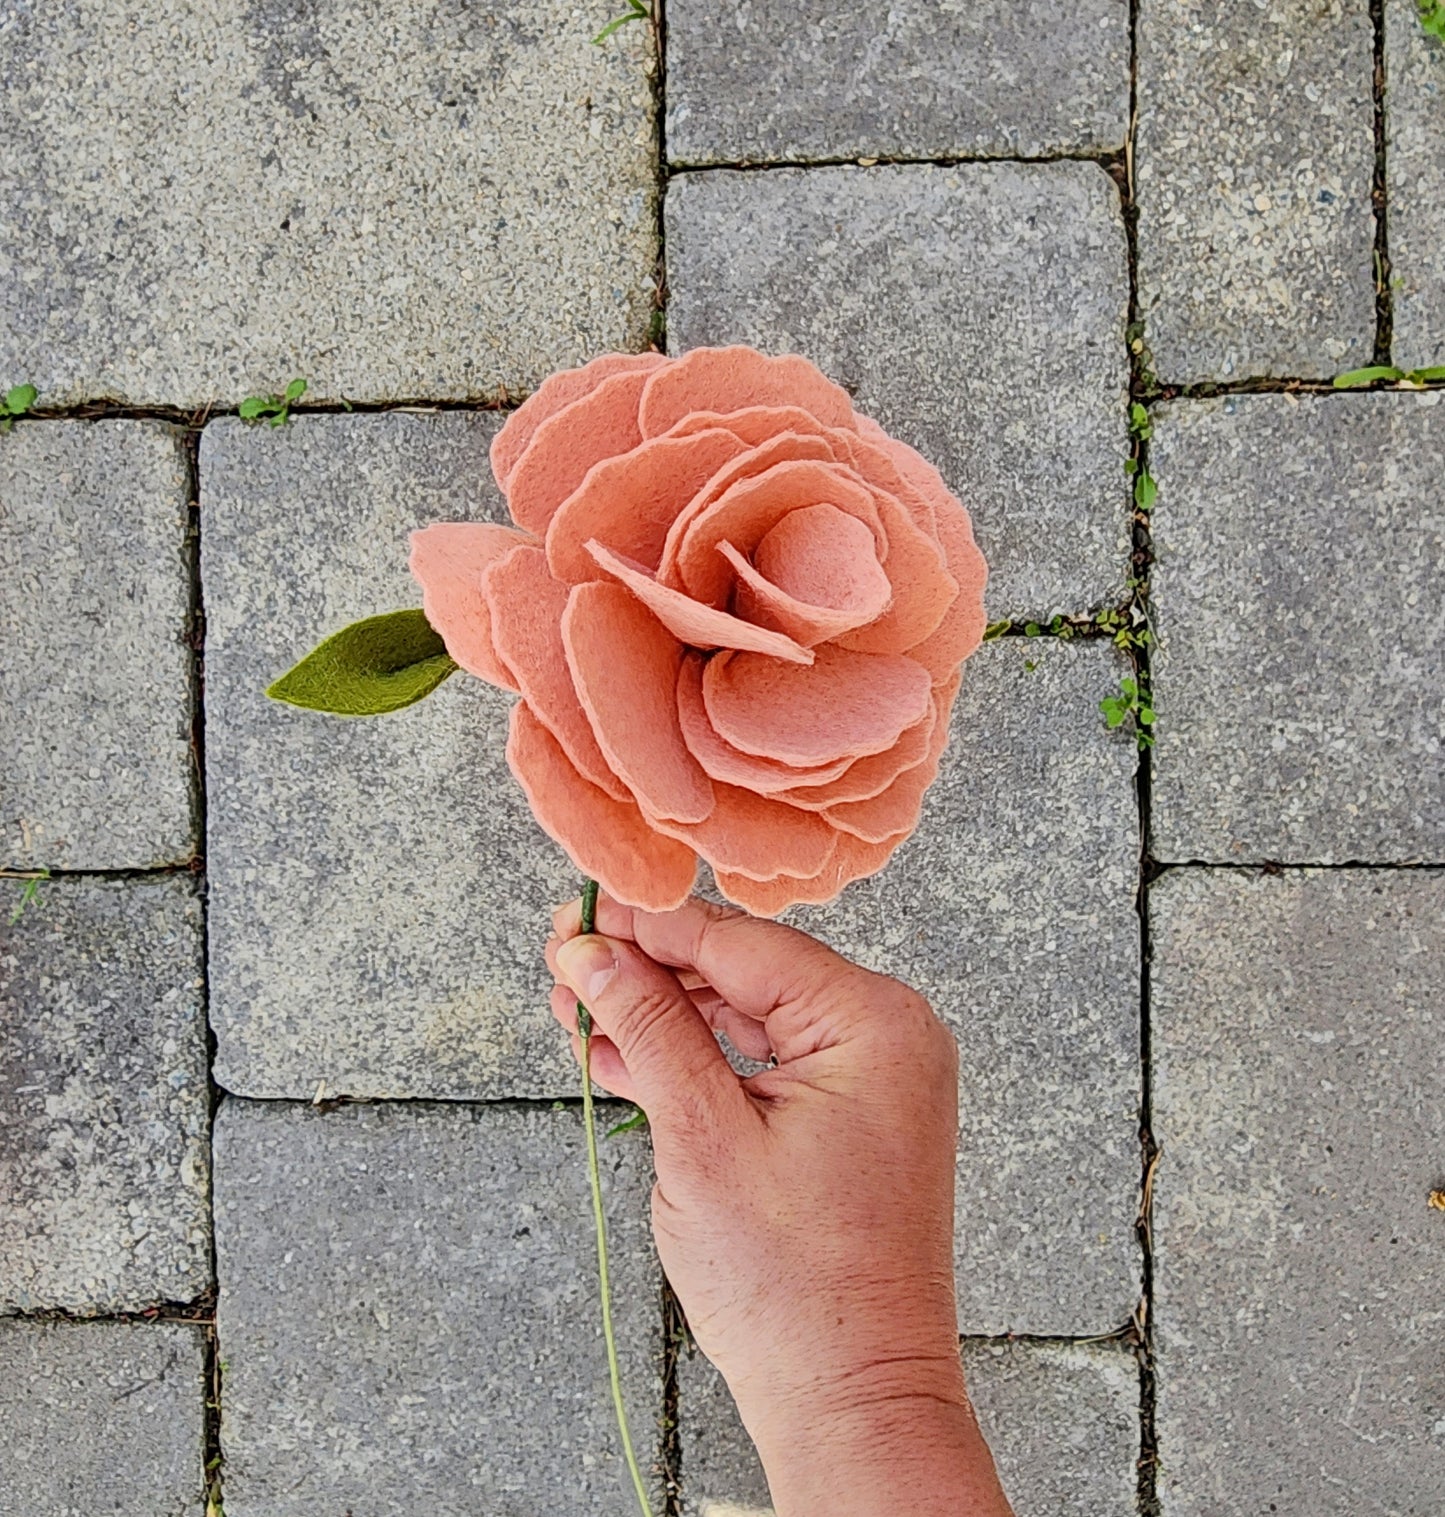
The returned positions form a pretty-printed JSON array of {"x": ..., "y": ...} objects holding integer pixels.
[
  {"x": 1357, "y": 379},
  {"x": 18, "y": 401},
  {"x": 1432, "y": 17},
  {"x": 636, "y": 11},
  {"x": 1133, "y": 700},
  {"x": 29, "y": 894},
  {"x": 995, "y": 630},
  {"x": 1141, "y": 429},
  {"x": 274, "y": 408},
  {"x": 629, "y": 1124}
]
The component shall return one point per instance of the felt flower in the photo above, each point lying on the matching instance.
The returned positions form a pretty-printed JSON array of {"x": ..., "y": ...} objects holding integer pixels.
[{"x": 734, "y": 610}]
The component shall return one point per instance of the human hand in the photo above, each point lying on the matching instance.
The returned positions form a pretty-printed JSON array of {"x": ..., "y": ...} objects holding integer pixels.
[{"x": 804, "y": 1215}]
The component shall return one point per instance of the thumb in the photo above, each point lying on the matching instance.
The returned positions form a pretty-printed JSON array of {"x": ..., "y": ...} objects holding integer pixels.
[{"x": 677, "y": 1068}]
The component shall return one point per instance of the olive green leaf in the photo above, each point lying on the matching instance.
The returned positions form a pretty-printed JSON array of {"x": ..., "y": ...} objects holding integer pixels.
[{"x": 381, "y": 664}]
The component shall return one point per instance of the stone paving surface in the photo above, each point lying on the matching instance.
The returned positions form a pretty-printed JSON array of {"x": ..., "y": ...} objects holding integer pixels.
[
  {"x": 1061, "y": 1420},
  {"x": 1255, "y": 159},
  {"x": 95, "y": 697},
  {"x": 394, "y": 199},
  {"x": 1299, "y": 1272},
  {"x": 1300, "y": 546},
  {"x": 104, "y": 1104},
  {"x": 978, "y": 312},
  {"x": 101, "y": 1417},
  {"x": 1415, "y": 71},
  {"x": 408, "y": 1311},
  {"x": 912, "y": 80}
]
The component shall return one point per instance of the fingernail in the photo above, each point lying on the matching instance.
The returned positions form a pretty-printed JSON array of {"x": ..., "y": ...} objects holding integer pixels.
[{"x": 587, "y": 964}]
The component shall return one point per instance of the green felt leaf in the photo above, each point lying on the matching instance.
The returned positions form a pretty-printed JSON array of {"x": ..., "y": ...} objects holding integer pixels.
[
  {"x": 371, "y": 667},
  {"x": 1356, "y": 378}
]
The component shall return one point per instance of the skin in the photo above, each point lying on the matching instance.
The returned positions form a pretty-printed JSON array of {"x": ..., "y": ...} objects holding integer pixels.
[{"x": 804, "y": 1215}]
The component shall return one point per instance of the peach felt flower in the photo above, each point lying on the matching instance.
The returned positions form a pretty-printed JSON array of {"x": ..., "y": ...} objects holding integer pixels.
[{"x": 734, "y": 610}]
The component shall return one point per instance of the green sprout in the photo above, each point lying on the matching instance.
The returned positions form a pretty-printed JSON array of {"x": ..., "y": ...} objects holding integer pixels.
[
  {"x": 636, "y": 11},
  {"x": 1379, "y": 373},
  {"x": 274, "y": 408},
  {"x": 1133, "y": 700},
  {"x": 29, "y": 894},
  {"x": 18, "y": 401}
]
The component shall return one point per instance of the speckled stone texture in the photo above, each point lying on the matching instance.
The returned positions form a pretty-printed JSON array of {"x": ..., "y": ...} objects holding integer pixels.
[
  {"x": 764, "y": 81},
  {"x": 101, "y": 1417},
  {"x": 395, "y": 199},
  {"x": 379, "y": 890},
  {"x": 1298, "y": 1268},
  {"x": 1255, "y": 163},
  {"x": 1061, "y": 1419},
  {"x": 978, "y": 312},
  {"x": 1298, "y": 676},
  {"x": 95, "y": 698},
  {"x": 408, "y": 1312},
  {"x": 1415, "y": 121},
  {"x": 1012, "y": 909},
  {"x": 104, "y": 1109}
]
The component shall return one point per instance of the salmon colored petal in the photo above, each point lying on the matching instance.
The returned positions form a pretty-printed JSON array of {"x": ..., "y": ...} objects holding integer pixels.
[
  {"x": 600, "y": 425},
  {"x": 910, "y": 463},
  {"x": 608, "y": 841},
  {"x": 750, "y": 835},
  {"x": 866, "y": 777},
  {"x": 754, "y": 425},
  {"x": 846, "y": 704},
  {"x": 625, "y": 664},
  {"x": 962, "y": 627},
  {"x": 630, "y": 502},
  {"x": 690, "y": 621},
  {"x": 787, "y": 447},
  {"x": 732, "y": 379},
  {"x": 814, "y": 576},
  {"x": 851, "y": 860},
  {"x": 724, "y": 762},
  {"x": 527, "y": 606},
  {"x": 746, "y": 512},
  {"x": 923, "y": 589},
  {"x": 897, "y": 808},
  {"x": 448, "y": 561},
  {"x": 551, "y": 396},
  {"x": 878, "y": 465}
]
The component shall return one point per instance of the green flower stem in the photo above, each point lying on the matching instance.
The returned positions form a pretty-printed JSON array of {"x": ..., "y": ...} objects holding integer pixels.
[{"x": 584, "y": 1029}]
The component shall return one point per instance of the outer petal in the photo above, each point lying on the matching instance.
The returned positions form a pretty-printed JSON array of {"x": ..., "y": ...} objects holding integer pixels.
[
  {"x": 527, "y": 606},
  {"x": 551, "y": 396},
  {"x": 851, "y": 860},
  {"x": 600, "y": 425},
  {"x": 630, "y": 502},
  {"x": 879, "y": 466},
  {"x": 923, "y": 589},
  {"x": 750, "y": 835},
  {"x": 731, "y": 379},
  {"x": 754, "y": 425},
  {"x": 448, "y": 561},
  {"x": 845, "y": 705},
  {"x": 625, "y": 664},
  {"x": 607, "y": 840},
  {"x": 910, "y": 463},
  {"x": 962, "y": 627},
  {"x": 692, "y": 622}
]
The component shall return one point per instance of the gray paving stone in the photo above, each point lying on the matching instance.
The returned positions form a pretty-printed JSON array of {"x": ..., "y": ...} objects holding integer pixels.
[
  {"x": 104, "y": 1105},
  {"x": 408, "y": 1312},
  {"x": 379, "y": 891},
  {"x": 1415, "y": 121},
  {"x": 978, "y": 312},
  {"x": 1298, "y": 1268},
  {"x": 812, "y": 80},
  {"x": 1062, "y": 1420},
  {"x": 392, "y": 199},
  {"x": 1300, "y": 667},
  {"x": 101, "y": 1417},
  {"x": 1012, "y": 909},
  {"x": 95, "y": 701},
  {"x": 1255, "y": 164}
]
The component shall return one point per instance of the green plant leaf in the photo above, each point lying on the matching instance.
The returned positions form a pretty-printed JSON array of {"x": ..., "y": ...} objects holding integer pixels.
[
  {"x": 1427, "y": 376},
  {"x": 1358, "y": 378},
  {"x": 20, "y": 398},
  {"x": 1145, "y": 490},
  {"x": 253, "y": 406},
  {"x": 629, "y": 1124},
  {"x": 371, "y": 667},
  {"x": 296, "y": 389},
  {"x": 995, "y": 630}
]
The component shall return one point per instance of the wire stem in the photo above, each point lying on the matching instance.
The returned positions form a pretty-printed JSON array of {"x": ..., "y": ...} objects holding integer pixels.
[{"x": 594, "y": 1175}]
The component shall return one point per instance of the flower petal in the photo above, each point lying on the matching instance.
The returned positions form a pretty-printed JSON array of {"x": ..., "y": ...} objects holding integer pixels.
[
  {"x": 630, "y": 502},
  {"x": 750, "y": 835},
  {"x": 690, "y": 621},
  {"x": 724, "y": 762},
  {"x": 814, "y": 576},
  {"x": 754, "y": 425},
  {"x": 527, "y": 606},
  {"x": 730, "y": 379},
  {"x": 845, "y": 705},
  {"x": 555, "y": 392},
  {"x": 608, "y": 840},
  {"x": 866, "y": 777},
  {"x": 961, "y": 630},
  {"x": 625, "y": 664},
  {"x": 850, "y": 860},
  {"x": 448, "y": 561},
  {"x": 923, "y": 589},
  {"x": 602, "y": 424}
]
